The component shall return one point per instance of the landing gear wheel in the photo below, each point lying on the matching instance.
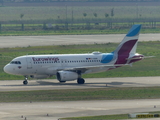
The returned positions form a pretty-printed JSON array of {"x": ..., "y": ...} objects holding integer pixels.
[
  {"x": 25, "y": 82},
  {"x": 62, "y": 81},
  {"x": 80, "y": 81}
]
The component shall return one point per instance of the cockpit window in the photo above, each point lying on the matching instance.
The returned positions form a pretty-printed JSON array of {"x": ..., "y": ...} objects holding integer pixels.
[{"x": 15, "y": 62}]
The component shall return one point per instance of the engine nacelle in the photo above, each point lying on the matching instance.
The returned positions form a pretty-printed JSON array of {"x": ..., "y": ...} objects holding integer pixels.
[
  {"x": 66, "y": 75},
  {"x": 39, "y": 76}
]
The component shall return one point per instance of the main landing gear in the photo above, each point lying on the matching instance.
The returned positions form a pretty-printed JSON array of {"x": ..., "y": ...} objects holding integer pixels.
[
  {"x": 80, "y": 81},
  {"x": 25, "y": 82}
]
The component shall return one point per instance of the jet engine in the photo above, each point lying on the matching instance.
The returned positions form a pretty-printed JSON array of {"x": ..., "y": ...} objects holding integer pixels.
[
  {"x": 66, "y": 75},
  {"x": 39, "y": 76}
]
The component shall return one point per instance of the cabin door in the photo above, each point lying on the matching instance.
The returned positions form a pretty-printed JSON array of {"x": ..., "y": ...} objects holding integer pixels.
[{"x": 29, "y": 63}]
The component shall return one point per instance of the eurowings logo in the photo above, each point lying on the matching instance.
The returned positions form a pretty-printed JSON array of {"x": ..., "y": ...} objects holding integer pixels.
[{"x": 35, "y": 59}]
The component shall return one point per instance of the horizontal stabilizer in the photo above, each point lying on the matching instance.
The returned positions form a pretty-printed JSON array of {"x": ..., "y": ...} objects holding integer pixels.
[
  {"x": 148, "y": 56},
  {"x": 141, "y": 57}
]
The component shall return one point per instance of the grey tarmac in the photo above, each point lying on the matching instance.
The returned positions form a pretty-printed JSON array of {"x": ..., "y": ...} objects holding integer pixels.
[
  {"x": 56, "y": 110},
  {"x": 26, "y": 41},
  {"x": 52, "y": 84}
]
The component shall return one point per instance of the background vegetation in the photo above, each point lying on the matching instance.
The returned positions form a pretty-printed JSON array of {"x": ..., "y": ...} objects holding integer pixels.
[
  {"x": 76, "y": 13},
  {"x": 69, "y": 17}
]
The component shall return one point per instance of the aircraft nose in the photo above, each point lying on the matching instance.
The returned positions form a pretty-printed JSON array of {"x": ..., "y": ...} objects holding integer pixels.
[{"x": 7, "y": 69}]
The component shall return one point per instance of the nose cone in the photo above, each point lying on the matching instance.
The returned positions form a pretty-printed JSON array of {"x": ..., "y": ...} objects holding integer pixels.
[{"x": 7, "y": 69}]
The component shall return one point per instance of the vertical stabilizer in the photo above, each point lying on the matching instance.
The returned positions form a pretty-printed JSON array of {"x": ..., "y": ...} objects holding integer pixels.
[{"x": 128, "y": 45}]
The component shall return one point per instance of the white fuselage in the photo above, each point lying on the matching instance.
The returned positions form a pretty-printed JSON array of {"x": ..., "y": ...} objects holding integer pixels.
[{"x": 50, "y": 64}]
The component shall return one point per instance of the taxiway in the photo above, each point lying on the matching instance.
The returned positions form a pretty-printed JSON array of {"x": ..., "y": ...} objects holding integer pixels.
[
  {"x": 56, "y": 110},
  {"x": 25, "y": 41},
  {"x": 52, "y": 84}
]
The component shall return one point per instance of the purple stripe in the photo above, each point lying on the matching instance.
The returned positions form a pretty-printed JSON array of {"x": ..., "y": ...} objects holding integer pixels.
[{"x": 124, "y": 51}]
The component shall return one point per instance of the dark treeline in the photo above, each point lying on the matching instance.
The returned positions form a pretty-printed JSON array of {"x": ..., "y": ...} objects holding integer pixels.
[{"x": 79, "y": 0}]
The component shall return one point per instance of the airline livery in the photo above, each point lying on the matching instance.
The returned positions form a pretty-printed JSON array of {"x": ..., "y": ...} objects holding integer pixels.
[{"x": 71, "y": 66}]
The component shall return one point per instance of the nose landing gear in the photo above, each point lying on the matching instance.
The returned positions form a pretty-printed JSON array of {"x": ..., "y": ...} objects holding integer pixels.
[{"x": 25, "y": 82}]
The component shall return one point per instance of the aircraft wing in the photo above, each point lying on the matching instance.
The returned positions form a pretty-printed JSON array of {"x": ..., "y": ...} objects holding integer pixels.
[{"x": 85, "y": 68}]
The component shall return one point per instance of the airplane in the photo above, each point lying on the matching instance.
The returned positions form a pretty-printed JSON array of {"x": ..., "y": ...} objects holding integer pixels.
[{"x": 69, "y": 67}]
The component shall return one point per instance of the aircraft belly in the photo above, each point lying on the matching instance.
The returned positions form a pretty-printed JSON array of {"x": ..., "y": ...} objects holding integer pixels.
[
  {"x": 51, "y": 71},
  {"x": 28, "y": 71},
  {"x": 96, "y": 70}
]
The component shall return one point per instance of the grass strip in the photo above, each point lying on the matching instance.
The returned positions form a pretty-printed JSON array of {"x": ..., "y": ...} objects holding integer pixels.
[
  {"x": 107, "y": 117},
  {"x": 102, "y": 117},
  {"x": 72, "y": 32},
  {"x": 81, "y": 94}
]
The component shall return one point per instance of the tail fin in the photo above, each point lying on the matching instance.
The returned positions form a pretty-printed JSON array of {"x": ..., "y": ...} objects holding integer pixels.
[{"x": 128, "y": 45}]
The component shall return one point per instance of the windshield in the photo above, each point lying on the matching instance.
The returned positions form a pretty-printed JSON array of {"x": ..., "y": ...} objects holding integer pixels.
[{"x": 15, "y": 62}]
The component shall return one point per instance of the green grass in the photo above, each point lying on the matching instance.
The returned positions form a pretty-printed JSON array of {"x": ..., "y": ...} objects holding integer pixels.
[
  {"x": 59, "y": 32},
  {"x": 30, "y": 32},
  {"x": 102, "y": 117},
  {"x": 107, "y": 117},
  {"x": 81, "y": 94},
  {"x": 146, "y": 67}
]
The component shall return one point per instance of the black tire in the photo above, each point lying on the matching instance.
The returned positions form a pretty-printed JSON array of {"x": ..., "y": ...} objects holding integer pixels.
[
  {"x": 80, "y": 81},
  {"x": 62, "y": 81},
  {"x": 25, "y": 82}
]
